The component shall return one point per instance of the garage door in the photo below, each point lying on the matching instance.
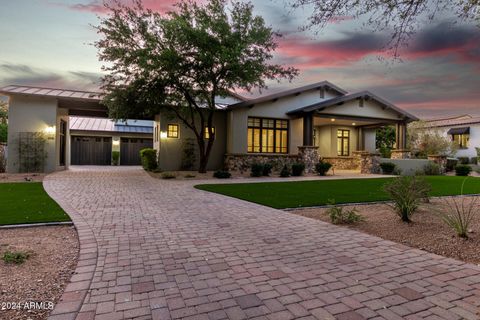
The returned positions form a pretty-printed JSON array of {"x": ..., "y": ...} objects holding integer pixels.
[
  {"x": 130, "y": 150},
  {"x": 91, "y": 151}
]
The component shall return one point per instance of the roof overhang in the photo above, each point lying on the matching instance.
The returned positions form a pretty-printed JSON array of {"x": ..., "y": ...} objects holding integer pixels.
[{"x": 365, "y": 95}]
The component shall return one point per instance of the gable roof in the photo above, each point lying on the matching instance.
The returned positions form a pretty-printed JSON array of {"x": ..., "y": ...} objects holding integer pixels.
[
  {"x": 367, "y": 95},
  {"x": 452, "y": 121},
  {"x": 290, "y": 92}
]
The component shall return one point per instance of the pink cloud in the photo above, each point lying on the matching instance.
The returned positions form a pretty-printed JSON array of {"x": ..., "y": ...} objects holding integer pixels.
[{"x": 97, "y": 6}]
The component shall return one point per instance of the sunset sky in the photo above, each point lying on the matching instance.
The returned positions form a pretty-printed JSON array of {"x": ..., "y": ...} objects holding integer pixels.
[{"x": 48, "y": 43}]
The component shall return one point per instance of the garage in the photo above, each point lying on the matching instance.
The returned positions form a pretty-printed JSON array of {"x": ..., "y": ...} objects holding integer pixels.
[
  {"x": 130, "y": 150},
  {"x": 87, "y": 150}
]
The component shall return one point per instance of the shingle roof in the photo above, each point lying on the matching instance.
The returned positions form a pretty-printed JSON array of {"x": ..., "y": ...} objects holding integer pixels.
[
  {"x": 101, "y": 124},
  {"x": 453, "y": 121},
  {"x": 51, "y": 92}
]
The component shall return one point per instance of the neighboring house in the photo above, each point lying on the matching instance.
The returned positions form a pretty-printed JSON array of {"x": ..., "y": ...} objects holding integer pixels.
[
  {"x": 318, "y": 120},
  {"x": 464, "y": 130}
]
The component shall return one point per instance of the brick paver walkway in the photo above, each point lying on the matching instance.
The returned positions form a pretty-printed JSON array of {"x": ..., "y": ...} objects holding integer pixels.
[{"x": 156, "y": 249}]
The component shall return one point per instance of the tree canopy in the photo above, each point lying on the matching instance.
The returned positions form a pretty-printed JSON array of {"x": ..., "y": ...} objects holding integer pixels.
[
  {"x": 183, "y": 60},
  {"x": 401, "y": 18}
]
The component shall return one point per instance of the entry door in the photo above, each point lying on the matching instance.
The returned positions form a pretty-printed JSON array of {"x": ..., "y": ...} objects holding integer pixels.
[
  {"x": 130, "y": 150},
  {"x": 63, "y": 142},
  {"x": 91, "y": 150}
]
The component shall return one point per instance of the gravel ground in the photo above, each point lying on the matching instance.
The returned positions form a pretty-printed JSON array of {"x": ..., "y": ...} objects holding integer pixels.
[
  {"x": 43, "y": 277},
  {"x": 21, "y": 177},
  {"x": 427, "y": 231}
]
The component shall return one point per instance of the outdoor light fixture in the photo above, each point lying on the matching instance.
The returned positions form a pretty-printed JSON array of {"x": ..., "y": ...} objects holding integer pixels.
[
  {"x": 50, "y": 130},
  {"x": 354, "y": 124},
  {"x": 163, "y": 134},
  {"x": 333, "y": 120}
]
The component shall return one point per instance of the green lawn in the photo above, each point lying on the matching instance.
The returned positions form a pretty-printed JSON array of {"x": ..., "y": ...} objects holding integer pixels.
[
  {"x": 28, "y": 203},
  {"x": 296, "y": 194}
]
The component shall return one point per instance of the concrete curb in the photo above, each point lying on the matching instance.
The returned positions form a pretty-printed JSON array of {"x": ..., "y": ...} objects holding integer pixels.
[{"x": 32, "y": 225}]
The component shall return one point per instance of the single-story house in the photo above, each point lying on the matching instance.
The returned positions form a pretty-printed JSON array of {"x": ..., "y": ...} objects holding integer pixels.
[
  {"x": 304, "y": 123},
  {"x": 464, "y": 130}
]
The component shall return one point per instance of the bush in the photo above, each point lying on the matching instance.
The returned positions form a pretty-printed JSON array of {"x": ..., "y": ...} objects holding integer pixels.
[
  {"x": 256, "y": 170},
  {"x": 458, "y": 215},
  {"x": 189, "y": 176},
  {"x": 451, "y": 164},
  {"x": 285, "y": 172},
  {"x": 3, "y": 159},
  {"x": 222, "y": 174},
  {"x": 385, "y": 152},
  {"x": 17, "y": 257},
  {"x": 463, "y": 170},
  {"x": 463, "y": 160},
  {"x": 168, "y": 175},
  {"x": 387, "y": 167},
  {"x": 297, "y": 169},
  {"x": 115, "y": 157},
  {"x": 149, "y": 159},
  {"x": 431, "y": 169},
  {"x": 340, "y": 215},
  {"x": 473, "y": 160},
  {"x": 407, "y": 193},
  {"x": 267, "y": 169},
  {"x": 322, "y": 167}
]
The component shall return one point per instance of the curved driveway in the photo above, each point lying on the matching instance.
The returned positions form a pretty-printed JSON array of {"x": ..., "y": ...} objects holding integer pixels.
[{"x": 159, "y": 249}]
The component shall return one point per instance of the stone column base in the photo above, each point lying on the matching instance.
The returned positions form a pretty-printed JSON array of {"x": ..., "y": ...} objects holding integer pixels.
[
  {"x": 401, "y": 154},
  {"x": 309, "y": 156},
  {"x": 440, "y": 160},
  {"x": 369, "y": 163}
]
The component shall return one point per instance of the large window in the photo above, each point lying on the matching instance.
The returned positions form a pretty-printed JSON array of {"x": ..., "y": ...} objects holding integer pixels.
[
  {"x": 462, "y": 140},
  {"x": 343, "y": 142},
  {"x": 267, "y": 135},
  {"x": 172, "y": 131}
]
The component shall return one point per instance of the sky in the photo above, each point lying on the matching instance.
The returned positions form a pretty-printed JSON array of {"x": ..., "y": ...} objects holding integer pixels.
[{"x": 49, "y": 43}]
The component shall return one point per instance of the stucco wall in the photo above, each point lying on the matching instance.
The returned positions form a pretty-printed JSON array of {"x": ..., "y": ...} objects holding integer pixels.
[
  {"x": 408, "y": 166},
  {"x": 171, "y": 149},
  {"x": 370, "y": 139},
  {"x": 238, "y": 119},
  {"x": 474, "y": 139},
  {"x": 27, "y": 114}
]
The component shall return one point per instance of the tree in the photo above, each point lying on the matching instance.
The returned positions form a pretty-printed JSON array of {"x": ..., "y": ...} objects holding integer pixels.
[
  {"x": 401, "y": 17},
  {"x": 385, "y": 139},
  {"x": 180, "y": 62},
  {"x": 3, "y": 121},
  {"x": 424, "y": 141}
]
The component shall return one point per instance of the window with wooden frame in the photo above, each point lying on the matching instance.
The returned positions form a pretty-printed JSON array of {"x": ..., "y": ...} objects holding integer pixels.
[
  {"x": 206, "y": 134},
  {"x": 173, "y": 131},
  {"x": 343, "y": 142},
  {"x": 266, "y": 135},
  {"x": 461, "y": 140}
]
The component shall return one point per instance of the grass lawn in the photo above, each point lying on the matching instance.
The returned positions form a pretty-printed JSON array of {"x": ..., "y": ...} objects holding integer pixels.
[
  {"x": 28, "y": 203},
  {"x": 296, "y": 194}
]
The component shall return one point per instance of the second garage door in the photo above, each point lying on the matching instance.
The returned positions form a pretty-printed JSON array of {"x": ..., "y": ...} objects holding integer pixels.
[
  {"x": 130, "y": 150},
  {"x": 91, "y": 150}
]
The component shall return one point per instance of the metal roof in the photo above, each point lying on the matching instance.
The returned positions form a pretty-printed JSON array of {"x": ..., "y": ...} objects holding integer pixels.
[
  {"x": 339, "y": 100},
  {"x": 51, "y": 92},
  {"x": 101, "y": 124}
]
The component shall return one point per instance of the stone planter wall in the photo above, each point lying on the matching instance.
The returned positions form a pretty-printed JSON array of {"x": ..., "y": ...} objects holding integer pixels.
[
  {"x": 343, "y": 163},
  {"x": 441, "y": 161},
  {"x": 243, "y": 162},
  {"x": 369, "y": 163},
  {"x": 401, "y": 154}
]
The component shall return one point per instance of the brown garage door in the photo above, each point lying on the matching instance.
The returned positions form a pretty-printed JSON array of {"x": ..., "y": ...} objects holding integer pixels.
[
  {"x": 130, "y": 150},
  {"x": 91, "y": 150}
]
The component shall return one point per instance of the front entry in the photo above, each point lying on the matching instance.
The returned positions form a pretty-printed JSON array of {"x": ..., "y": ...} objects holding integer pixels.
[
  {"x": 130, "y": 150},
  {"x": 91, "y": 150}
]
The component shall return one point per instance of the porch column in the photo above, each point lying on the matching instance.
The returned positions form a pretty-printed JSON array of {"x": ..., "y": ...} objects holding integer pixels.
[
  {"x": 361, "y": 140},
  {"x": 400, "y": 151},
  {"x": 308, "y": 129}
]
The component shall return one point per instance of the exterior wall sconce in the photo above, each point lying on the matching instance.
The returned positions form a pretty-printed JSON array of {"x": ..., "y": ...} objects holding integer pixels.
[
  {"x": 50, "y": 132},
  {"x": 163, "y": 135},
  {"x": 333, "y": 120}
]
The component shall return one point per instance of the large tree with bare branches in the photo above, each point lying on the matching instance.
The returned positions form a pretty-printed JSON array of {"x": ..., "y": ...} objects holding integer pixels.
[
  {"x": 181, "y": 61},
  {"x": 401, "y": 18}
]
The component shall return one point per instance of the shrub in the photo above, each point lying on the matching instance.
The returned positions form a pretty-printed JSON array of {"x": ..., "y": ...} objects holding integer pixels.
[
  {"x": 189, "y": 175},
  {"x": 463, "y": 170},
  {"x": 473, "y": 160},
  {"x": 115, "y": 157},
  {"x": 340, "y": 215},
  {"x": 322, "y": 167},
  {"x": 451, "y": 164},
  {"x": 256, "y": 170},
  {"x": 149, "y": 159},
  {"x": 188, "y": 155},
  {"x": 406, "y": 193},
  {"x": 168, "y": 175},
  {"x": 285, "y": 172},
  {"x": 458, "y": 215},
  {"x": 385, "y": 152},
  {"x": 431, "y": 169},
  {"x": 222, "y": 174},
  {"x": 3, "y": 159},
  {"x": 297, "y": 169},
  {"x": 463, "y": 160},
  {"x": 388, "y": 167},
  {"x": 17, "y": 257},
  {"x": 267, "y": 169}
]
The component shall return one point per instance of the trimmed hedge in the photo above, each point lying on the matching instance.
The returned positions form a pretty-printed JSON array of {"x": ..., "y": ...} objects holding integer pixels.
[
  {"x": 322, "y": 167},
  {"x": 388, "y": 167},
  {"x": 297, "y": 169},
  {"x": 149, "y": 159},
  {"x": 222, "y": 174},
  {"x": 463, "y": 170}
]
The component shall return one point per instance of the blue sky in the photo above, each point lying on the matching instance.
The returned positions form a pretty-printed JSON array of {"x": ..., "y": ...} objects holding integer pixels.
[{"x": 48, "y": 43}]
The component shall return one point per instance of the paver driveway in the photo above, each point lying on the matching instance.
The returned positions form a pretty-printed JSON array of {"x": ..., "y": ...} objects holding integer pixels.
[{"x": 156, "y": 249}]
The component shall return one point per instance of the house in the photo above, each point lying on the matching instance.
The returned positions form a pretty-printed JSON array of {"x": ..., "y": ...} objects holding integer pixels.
[
  {"x": 300, "y": 124},
  {"x": 464, "y": 130}
]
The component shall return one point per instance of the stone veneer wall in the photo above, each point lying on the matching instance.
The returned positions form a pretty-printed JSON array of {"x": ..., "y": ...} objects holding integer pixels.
[
  {"x": 343, "y": 163},
  {"x": 401, "y": 154},
  {"x": 309, "y": 156},
  {"x": 441, "y": 161},
  {"x": 369, "y": 163},
  {"x": 243, "y": 162}
]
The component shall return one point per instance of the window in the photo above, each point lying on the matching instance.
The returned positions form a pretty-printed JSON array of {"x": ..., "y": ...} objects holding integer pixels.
[
  {"x": 343, "y": 142},
  {"x": 462, "y": 140},
  {"x": 206, "y": 135},
  {"x": 172, "y": 131},
  {"x": 267, "y": 135}
]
